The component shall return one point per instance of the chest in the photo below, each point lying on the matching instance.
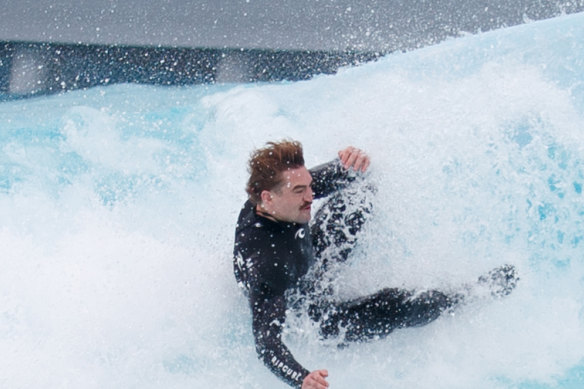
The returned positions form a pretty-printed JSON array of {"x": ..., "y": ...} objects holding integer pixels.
[{"x": 290, "y": 254}]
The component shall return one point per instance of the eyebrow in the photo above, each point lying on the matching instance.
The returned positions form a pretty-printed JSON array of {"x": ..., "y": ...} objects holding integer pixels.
[{"x": 302, "y": 186}]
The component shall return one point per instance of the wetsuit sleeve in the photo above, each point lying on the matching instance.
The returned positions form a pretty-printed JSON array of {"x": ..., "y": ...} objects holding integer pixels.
[
  {"x": 269, "y": 315},
  {"x": 330, "y": 177}
]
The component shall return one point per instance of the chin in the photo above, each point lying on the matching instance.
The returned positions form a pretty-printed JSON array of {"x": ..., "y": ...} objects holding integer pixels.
[{"x": 304, "y": 219}]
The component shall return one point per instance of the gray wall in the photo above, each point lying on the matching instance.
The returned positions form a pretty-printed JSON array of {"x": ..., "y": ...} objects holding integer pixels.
[
  {"x": 366, "y": 25},
  {"x": 53, "y": 46}
]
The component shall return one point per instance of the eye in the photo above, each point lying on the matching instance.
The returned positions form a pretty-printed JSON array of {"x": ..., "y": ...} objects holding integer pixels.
[{"x": 299, "y": 190}]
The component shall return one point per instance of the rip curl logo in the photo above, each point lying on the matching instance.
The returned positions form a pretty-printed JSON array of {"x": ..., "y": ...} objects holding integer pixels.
[
  {"x": 300, "y": 234},
  {"x": 284, "y": 368}
]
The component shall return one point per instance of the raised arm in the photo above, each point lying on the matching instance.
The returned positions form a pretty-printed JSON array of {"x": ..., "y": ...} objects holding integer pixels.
[
  {"x": 330, "y": 177},
  {"x": 337, "y": 174}
]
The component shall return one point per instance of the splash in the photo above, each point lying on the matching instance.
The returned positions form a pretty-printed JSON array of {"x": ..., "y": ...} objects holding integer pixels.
[{"x": 118, "y": 207}]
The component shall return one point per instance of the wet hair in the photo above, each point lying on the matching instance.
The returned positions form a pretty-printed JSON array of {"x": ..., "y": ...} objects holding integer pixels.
[{"x": 267, "y": 164}]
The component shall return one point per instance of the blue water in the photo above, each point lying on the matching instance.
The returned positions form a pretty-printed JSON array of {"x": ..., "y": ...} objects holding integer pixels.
[{"x": 118, "y": 206}]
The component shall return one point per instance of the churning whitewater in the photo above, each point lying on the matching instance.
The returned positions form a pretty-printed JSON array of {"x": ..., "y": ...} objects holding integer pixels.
[{"x": 118, "y": 206}]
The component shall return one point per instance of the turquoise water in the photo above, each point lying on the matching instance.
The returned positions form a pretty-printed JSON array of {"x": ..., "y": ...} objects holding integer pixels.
[{"x": 118, "y": 206}]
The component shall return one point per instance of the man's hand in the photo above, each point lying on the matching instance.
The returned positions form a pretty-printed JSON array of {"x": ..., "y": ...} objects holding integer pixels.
[
  {"x": 316, "y": 380},
  {"x": 355, "y": 158}
]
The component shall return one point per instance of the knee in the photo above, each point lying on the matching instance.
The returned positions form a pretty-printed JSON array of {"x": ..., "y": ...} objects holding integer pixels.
[{"x": 436, "y": 299}]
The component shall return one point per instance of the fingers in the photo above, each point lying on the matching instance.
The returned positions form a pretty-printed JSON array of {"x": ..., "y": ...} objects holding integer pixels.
[
  {"x": 345, "y": 154},
  {"x": 320, "y": 377},
  {"x": 355, "y": 158},
  {"x": 362, "y": 162},
  {"x": 316, "y": 380}
]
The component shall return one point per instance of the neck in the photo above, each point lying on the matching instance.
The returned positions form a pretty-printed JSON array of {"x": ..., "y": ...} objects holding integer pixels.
[{"x": 259, "y": 211}]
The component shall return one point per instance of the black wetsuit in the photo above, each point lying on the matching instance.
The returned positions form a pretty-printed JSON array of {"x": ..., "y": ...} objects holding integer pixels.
[{"x": 271, "y": 258}]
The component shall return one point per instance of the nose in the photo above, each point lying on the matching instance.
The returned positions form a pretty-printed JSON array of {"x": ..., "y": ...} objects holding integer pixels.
[{"x": 308, "y": 195}]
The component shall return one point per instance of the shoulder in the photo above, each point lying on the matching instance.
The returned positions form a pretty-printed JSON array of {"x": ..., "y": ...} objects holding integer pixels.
[
  {"x": 252, "y": 229},
  {"x": 246, "y": 216},
  {"x": 257, "y": 240}
]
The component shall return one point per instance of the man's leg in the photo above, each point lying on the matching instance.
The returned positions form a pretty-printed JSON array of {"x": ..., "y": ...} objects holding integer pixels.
[
  {"x": 379, "y": 314},
  {"x": 335, "y": 230}
]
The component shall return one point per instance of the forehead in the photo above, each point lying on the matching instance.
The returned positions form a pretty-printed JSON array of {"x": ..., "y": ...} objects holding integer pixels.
[{"x": 298, "y": 176}]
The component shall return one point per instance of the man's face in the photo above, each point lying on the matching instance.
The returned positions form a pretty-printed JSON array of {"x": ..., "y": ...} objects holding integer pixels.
[{"x": 291, "y": 202}]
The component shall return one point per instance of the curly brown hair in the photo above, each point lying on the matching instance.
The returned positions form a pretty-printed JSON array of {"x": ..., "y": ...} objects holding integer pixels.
[{"x": 267, "y": 164}]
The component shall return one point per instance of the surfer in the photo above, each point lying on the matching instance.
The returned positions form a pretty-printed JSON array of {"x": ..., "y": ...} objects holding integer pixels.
[{"x": 281, "y": 260}]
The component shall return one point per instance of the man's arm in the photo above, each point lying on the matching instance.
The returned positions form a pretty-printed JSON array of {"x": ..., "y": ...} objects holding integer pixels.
[
  {"x": 329, "y": 178},
  {"x": 268, "y": 319},
  {"x": 337, "y": 174}
]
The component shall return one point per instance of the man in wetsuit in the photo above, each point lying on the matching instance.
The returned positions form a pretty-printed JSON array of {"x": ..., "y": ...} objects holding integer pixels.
[{"x": 277, "y": 254}]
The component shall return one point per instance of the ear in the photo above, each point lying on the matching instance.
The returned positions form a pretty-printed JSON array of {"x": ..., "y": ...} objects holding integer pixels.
[{"x": 265, "y": 196}]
